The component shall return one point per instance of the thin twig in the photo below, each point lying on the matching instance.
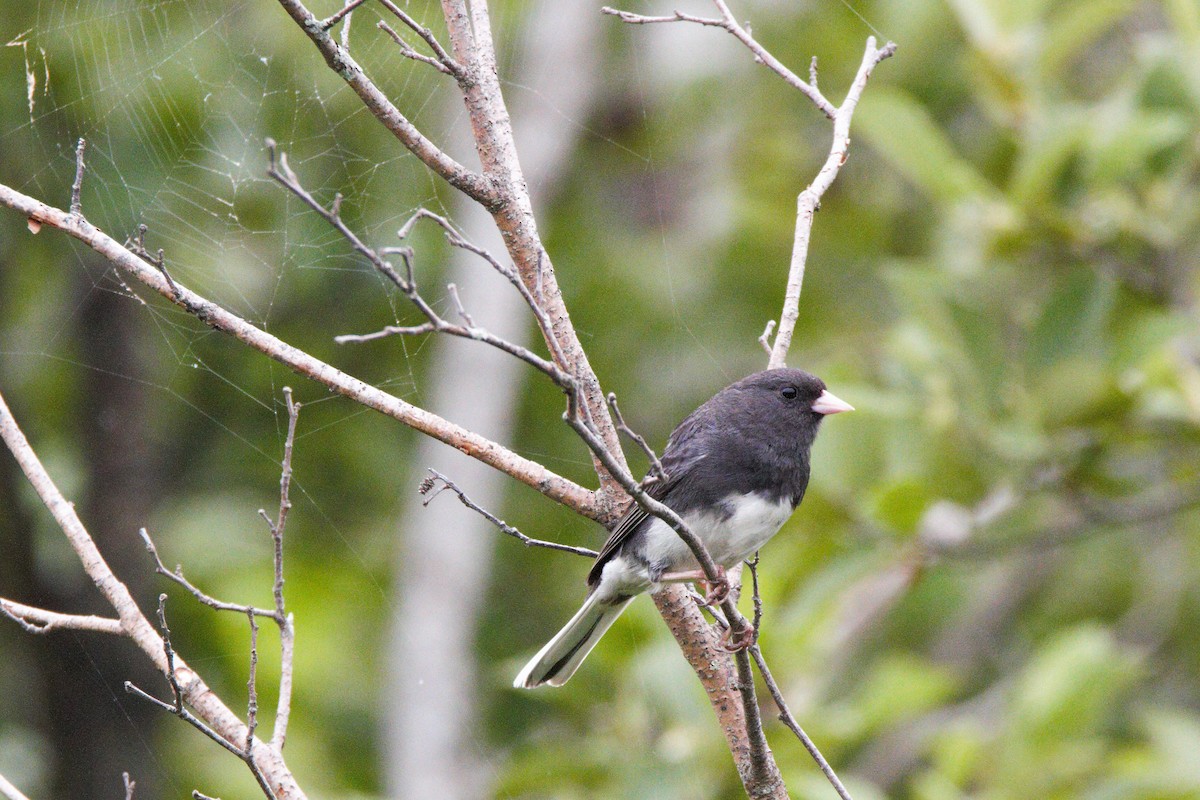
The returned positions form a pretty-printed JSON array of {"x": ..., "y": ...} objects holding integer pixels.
[
  {"x": 137, "y": 246},
  {"x": 252, "y": 686},
  {"x": 336, "y": 17},
  {"x": 442, "y": 60},
  {"x": 456, "y": 239},
  {"x": 752, "y": 566},
  {"x": 656, "y": 471},
  {"x": 809, "y": 200},
  {"x": 429, "y": 489},
  {"x": 765, "y": 339},
  {"x": 407, "y": 51},
  {"x": 729, "y": 23},
  {"x": 452, "y": 290},
  {"x": 178, "y": 577},
  {"x": 785, "y": 716},
  {"x": 380, "y": 105},
  {"x": 287, "y": 631},
  {"x": 281, "y": 172},
  {"x": 130, "y": 785},
  {"x": 77, "y": 186},
  {"x": 156, "y": 645},
  {"x": 585, "y": 502},
  {"x": 384, "y": 332}
]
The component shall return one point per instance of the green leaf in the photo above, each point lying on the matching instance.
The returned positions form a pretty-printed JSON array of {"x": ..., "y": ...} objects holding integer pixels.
[
  {"x": 1073, "y": 321},
  {"x": 903, "y": 132},
  {"x": 1069, "y": 686}
]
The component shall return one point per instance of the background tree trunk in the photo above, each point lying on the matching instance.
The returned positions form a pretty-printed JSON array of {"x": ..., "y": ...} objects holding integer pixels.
[{"x": 432, "y": 747}]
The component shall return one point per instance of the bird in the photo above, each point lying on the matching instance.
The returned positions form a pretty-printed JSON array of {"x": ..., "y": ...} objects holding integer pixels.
[{"x": 735, "y": 470}]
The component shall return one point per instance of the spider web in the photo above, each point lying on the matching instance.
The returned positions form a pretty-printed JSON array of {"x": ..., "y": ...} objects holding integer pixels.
[{"x": 175, "y": 100}]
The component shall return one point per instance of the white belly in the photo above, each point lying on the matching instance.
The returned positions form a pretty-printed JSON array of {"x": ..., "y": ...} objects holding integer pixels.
[{"x": 729, "y": 541}]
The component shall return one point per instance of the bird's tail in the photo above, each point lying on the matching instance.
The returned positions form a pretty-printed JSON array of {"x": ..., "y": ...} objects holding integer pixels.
[{"x": 562, "y": 655}]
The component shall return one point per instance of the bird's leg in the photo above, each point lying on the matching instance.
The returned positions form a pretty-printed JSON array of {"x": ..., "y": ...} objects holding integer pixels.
[{"x": 714, "y": 591}]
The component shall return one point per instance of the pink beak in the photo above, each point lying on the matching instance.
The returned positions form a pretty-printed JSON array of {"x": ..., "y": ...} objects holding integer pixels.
[{"x": 829, "y": 403}]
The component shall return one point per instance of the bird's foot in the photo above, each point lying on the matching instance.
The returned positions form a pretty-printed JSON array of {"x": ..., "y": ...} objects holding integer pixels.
[
  {"x": 742, "y": 640},
  {"x": 716, "y": 591}
]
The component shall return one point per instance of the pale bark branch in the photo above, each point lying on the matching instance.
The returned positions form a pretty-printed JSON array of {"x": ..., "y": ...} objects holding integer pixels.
[
  {"x": 729, "y": 23},
  {"x": 10, "y": 792},
  {"x": 786, "y": 717},
  {"x": 40, "y": 620},
  {"x": 210, "y": 712},
  {"x": 337, "y": 16},
  {"x": 528, "y": 472},
  {"x": 441, "y": 59},
  {"x": 342, "y": 63},
  {"x": 809, "y": 200}
]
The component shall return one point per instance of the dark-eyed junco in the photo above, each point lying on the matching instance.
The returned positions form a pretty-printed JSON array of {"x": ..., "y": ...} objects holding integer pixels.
[{"x": 737, "y": 467}]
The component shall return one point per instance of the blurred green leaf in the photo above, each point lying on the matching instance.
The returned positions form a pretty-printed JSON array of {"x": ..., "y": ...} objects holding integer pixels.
[{"x": 903, "y": 132}]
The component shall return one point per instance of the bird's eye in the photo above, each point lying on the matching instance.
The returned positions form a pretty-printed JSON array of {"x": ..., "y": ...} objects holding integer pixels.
[{"x": 789, "y": 392}]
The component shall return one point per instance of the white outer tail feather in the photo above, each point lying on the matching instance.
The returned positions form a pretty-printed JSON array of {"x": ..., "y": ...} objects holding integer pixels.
[{"x": 573, "y": 643}]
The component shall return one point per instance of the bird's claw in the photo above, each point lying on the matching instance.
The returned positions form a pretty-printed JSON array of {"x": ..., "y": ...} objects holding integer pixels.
[
  {"x": 716, "y": 591},
  {"x": 736, "y": 642}
]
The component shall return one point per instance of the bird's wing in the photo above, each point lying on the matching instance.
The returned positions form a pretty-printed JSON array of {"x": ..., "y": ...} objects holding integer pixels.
[
  {"x": 680, "y": 456},
  {"x": 626, "y": 526}
]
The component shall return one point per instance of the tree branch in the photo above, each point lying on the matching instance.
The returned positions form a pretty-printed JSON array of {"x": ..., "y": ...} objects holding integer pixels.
[
  {"x": 341, "y": 62},
  {"x": 430, "y": 490},
  {"x": 528, "y": 472},
  {"x": 729, "y": 23},
  {"x": 211, "y": 712},
  {"x": 40, "y": 620},
  {"x": 809, "y": 200},
  {"x": 10, "y": 792}
]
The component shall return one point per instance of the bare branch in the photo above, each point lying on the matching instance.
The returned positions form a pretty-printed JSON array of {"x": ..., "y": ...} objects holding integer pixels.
[
  {"x": 452, "y": 289},
  {"x": 77, "y": 186},
  {"x": 809, "y": 200},
  {"x": 729, "y": 23},
  {"x": 252, "y": 686},
  {"x": 287, "y": 631},
  {"x": 130, "y": 785},
  {"x": 215, "y": 718},
  {"x": 340, "y": 61},
  {"x": 177, "y": 708},
  {"x": 752, "y": 566},
  {"x": 677, "y": 16},
  {"x": 178, "y": 577},
  {"x": 656, "y": 472},
  {"x": 40, "y": 620},
  {"x": 336, "y": 17},
  {"x": 10, "y": 792},
  {"x": 283, "y": 174},
  {"x": 528, "y": 472},
  {"x": 441, "y": 60},
  {"x": 430, "y": 490},
  {"x": 386, "y": 331},
  {"x": 137, "y": 246},
  {"x": 765, "y": 339},
  {"x": 785, "y": 716},
  {"x": 407, "y": 51}
]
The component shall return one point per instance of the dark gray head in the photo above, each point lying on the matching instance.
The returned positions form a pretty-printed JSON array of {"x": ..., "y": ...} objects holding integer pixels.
[
  {"x": 753, "y": 435},
  {"x": 784, "y": 393}
]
